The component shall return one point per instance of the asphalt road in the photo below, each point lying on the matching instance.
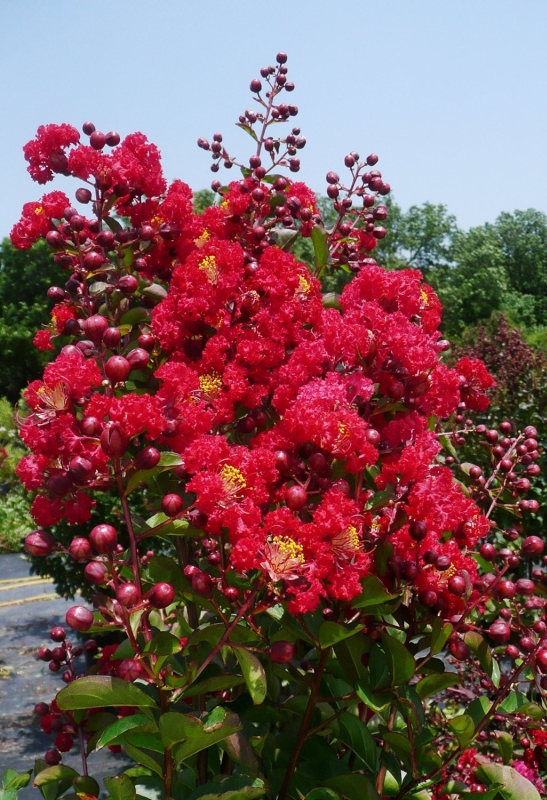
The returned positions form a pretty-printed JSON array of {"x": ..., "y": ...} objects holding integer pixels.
[{"x": 29, "y": 608}]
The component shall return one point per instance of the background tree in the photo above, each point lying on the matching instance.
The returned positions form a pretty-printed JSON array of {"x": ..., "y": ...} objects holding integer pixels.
[{"x": 25, "y": 276}]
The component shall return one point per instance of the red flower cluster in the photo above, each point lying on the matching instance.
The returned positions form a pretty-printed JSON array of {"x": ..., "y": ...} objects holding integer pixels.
[{"x": 289, "y": 418}]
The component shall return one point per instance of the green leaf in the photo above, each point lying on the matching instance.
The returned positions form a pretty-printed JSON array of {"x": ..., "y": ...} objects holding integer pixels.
[
  {"x": 380, "y": 499},
  {"x": 400, "y": 662},
  {"x": 331, "y": 300},
  {"x": 15, "y": 780},
  {"x": 60, "y": 772},
  {"x": 135, "y": 315},
  {"x": 241, "y": 752},
  {"x": 353, "y": 787},
  {"x": 322, "y": 793},
  {"x": 8, "y": 794},
  {"x": 163, "y": 644},
  {"x": 376, "y": 702},
  {"x": 97, "y": 287},
  {"x": 481, "y": 650},
  {"x": 378, "y": 669},
  {"x": 120, "y": 787},
  {"x": 146, "y": 759},
  {"x": 374, "y": 593},
  {"x": 464, "y": 728},
  {"x": 254, "y": 674},
  {"x": 196, "y": 734},
  {"x": 97, "y": 691},
  {"x": 234, "y": 788},
  {"x": 331, "y": 633},
  {"x": 121, "y": 726},
  {"x": 217, "y": 683},
  {"x": 514, "y": 786},
  {"x": 320, "y": 241},
  {"x": 350, "y": 653},
  {"x": 356, "y": 735},
  {"x": 517, "y": 701},
  {"x": 249, "y": 130},
  {"x": 505, "y": 746},
  {"x": 478, "y": 709},
  {"x": 155, "y": 290},
  {"x": 432, "y": 684},
  {"x": 167, "y": 461},
  {"x": 440, "y": 635}
]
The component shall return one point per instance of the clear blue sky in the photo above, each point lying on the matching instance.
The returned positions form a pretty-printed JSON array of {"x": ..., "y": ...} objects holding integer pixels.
[{"x": 451, "y": 95}]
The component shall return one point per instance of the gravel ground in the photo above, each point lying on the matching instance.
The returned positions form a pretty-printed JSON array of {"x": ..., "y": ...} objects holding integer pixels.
[{"x": 29, "y": 608}]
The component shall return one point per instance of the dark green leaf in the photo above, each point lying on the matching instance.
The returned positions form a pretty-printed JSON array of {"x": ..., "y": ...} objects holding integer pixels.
[
  {"x": 440, "y": 635},
  {"x": 163, "y": 644},
  {"x": 320, "y": 241},
  {"x": 356, "y": 735},
  {"x": 331, "y": 632},
  {"x": 167, "y": 461},
  {"x": 350, "y": 653},
  {"x": 120, "y": 787},
  {"x": 432, "y": 684},
  {"x": 478, "y": 709},
  {"x": 322, "y": 793},
  {"x": 353, "y": 787},
  {"x": 378, "y": 669},
  {"x": 400, "y": 662},
  {"x": 234, "y": 788},
  {"x": 146, "y": 759},
  {"x": 374, "y": 593},
  {"x": 380, "y": 499},
  {"x": 97, "y": 691},
  {"x": 254, "y": 674},
  {"x": 217, "y": 683}
]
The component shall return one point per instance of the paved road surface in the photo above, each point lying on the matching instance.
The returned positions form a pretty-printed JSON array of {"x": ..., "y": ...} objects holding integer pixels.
[{"x": 29, "y": 608}]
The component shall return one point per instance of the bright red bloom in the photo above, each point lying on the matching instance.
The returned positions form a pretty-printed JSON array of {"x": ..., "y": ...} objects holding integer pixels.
[{"x": 45, "y": 153}]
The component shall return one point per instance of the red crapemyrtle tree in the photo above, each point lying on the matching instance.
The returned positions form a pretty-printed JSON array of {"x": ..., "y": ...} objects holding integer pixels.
[{"x": 328, "y": 618}]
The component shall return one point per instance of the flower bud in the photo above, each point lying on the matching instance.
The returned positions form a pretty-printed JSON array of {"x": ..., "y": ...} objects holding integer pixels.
[
  {"x": 281, "y": 652},
  {"x": 117, "y": 368},
  {"x": 128, "y": 595},
  {"x": 104, "y": 538},
  {"x": 161, "y": 595},
  {"x": 80, "y": 549},
  {"x": 96, "y": 573},
  {"x": 79, "y": 618},
  {"x": 39, "y": 543},
  {"x": 113, "y": 442}
]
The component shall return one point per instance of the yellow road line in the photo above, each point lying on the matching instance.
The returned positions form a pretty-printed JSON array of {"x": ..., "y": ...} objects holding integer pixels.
[
  {"x": 21, "y": 585},
  {"x": 29, "y": 579},
  {"x": 50, "y": 596}
]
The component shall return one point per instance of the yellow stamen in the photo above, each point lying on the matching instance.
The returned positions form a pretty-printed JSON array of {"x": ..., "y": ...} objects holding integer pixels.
[
  {"x": 39, "y": 210},
  {"x": 209, "y": 264},
  {"x": 202, "y": 238},
  {"x": 232, "y": 479},
  {"x": 425, "y": 298},
  {"x": 345, "y": 542},
  {"x": 55, "y": 398},
  {"x": 210, "y": 384},
  {"x": 304, "y": 285},
  {"x": 283, "y": 558}
]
